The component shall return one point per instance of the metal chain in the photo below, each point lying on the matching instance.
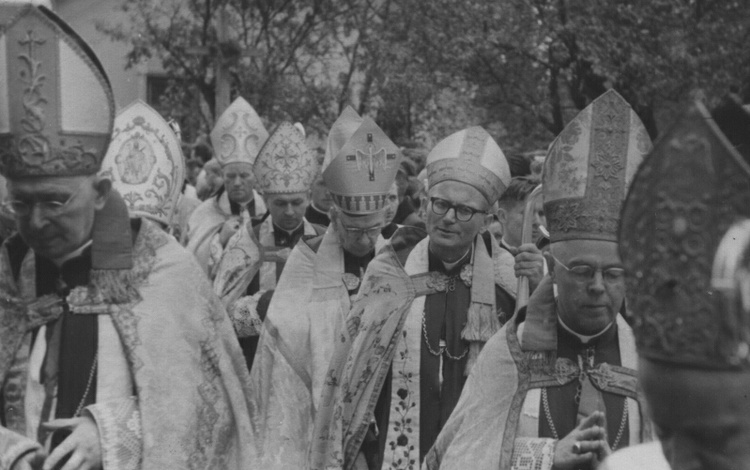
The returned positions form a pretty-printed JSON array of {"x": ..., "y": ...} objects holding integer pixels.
[
  {"x": 442, "y": 349},
  {"x": 620, "y": 431},
  {"x": 547, "y": 414},
  {"x": 88, "y": 386}
]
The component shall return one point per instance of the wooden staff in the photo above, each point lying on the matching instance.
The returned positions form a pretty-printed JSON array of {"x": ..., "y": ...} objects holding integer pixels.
[{"x": 522, "y": 292}]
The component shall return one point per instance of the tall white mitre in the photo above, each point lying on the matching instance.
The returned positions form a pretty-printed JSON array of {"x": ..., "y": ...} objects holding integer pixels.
[
  {"x": 145, "y": 163},
  {"x": 285, "y": 164},
  {"x": 238, "y": 134},
  {"x": 473, "y": 157}
]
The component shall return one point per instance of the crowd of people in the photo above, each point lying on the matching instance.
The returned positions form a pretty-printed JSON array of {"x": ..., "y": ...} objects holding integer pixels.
[{"x": 260, "y": 304}]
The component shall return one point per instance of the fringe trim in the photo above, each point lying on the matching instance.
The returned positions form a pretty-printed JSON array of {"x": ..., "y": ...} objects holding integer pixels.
[
  {"x": 115, "y": 285},
  {"x": 481, "y": 324}
]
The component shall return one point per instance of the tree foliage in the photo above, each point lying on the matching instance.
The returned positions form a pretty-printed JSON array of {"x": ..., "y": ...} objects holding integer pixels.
[{"x": 425, "y": 68}]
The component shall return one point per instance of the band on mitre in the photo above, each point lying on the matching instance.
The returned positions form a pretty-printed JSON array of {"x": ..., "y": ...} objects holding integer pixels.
[{"x": 469, "y": 172}]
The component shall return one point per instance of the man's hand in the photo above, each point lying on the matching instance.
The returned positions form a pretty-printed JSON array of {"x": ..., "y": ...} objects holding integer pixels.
[
  {"x": 31, "y": 461},
  {"x": 587, "y": 443},
  {"x": 82, "y": 445},
  {"x": 529, "y": 263},
  {"x": 229, "y": 228}
]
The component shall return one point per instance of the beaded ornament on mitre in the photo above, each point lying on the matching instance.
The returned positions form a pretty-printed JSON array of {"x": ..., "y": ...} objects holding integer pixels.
[
  {"x": 285, "y": 163},
  {"x": 589, "y": 167},
  {"x": 56, "y": 103},
  {"x": 683, "y": 199},
  {"x": 361, "y": 173},
  {"x": 473, "y": 157},
  {"x": 238, "y": 134},
  {"x": 145, "y": 163}
]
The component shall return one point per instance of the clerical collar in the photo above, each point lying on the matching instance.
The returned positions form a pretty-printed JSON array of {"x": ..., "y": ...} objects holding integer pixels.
[
  {"x": 505, "y": 244},
  {"x": 585, "y": 339},
  {"x": 74, "y": 254},
  {"x": 289, "y": 233},
  {"x": 450, "y": 266}
]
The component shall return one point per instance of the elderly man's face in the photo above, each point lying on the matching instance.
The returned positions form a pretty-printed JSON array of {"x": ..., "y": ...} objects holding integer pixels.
[
  {"x": 391, "y": 204},
  {"x": 238, "y": 181},
  {"x": 358, "y": 234},
  {"x": 708, "y": 427},
  {"x": 60, "y": 211},
  {"x": 588, "y": 302},
  {"x": 450, "y": 238},
  {"x": 287, "y": 210}
]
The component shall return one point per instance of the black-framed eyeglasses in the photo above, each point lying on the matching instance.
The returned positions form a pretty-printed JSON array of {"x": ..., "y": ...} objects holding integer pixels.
[
  {"x": 585, "y": 272},
  {"x": 48, "y": 207},
  {"x": 370, "y": 232},
  {"x": 463, "y": 213}
]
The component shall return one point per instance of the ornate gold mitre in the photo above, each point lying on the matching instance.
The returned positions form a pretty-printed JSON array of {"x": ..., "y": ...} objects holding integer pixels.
[
  {"x": 589, "y": 167},
  {"x": 363, "y": 169},
  {"x": 285, "y": 164},
  {"x": 473, "y": 157},
  {"x": 56, "y": 103},
  {"x": 683, "y": 199},
  {"x": 145, "y": 163},
  {"x": 238, "y": 134}
]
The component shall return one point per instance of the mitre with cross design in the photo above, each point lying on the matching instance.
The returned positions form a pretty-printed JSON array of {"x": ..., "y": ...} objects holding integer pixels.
[
  {"x": 56, "y": 103},
  {"x": 685, "y": 197},
  {"x": 145, "y": 163},
  {"x": 238, "y": 134},
  {"x": 473, "y": 157},
  {"x": 361, "y": 173},
  {"x": 589, "y": 167},
  {"x": 285, "y": 164}
]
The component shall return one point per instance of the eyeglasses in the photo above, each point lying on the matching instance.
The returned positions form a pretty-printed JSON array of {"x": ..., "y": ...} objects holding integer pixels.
[
  {"x": 49, "y": 207},
  {"x": 371, "y": 232},
  {"x": 463, "y": 213},
  {"x": 585, "y": 272}
]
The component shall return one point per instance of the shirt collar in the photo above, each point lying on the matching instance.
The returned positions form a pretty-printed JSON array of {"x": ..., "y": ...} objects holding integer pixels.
[
  {"x": 59, "y": 261},
  {"x": 585, "y": 339}
]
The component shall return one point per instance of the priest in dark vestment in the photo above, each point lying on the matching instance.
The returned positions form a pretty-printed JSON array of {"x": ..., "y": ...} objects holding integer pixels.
[
  {"x": 557, "y": 386},
  {"x": 320, "y": 201},
  {"x": 427, "y": 306}
]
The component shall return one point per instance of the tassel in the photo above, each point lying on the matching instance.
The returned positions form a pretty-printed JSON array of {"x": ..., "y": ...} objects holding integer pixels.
[{"x": 481, "y": 324}]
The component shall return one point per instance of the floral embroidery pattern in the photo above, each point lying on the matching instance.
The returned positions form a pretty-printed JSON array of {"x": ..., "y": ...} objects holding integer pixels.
[{"x": 402, "y": 449}]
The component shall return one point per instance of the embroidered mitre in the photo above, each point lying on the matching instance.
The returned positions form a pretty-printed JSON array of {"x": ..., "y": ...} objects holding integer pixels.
[
  {"x": 361, "y": 172},
  {"x": 145, "y": 163},
  {"x": 684, "y": 198},
  {"x": 238, "y": 134},
  {"x": 589, "y": 167},
  {"x": 473, "y": 157},
  {"x": 56, "y": 103},
  {"x": 285, "y": 163}
]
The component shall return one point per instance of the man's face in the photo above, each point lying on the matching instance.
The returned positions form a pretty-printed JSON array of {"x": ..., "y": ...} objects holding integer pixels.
[
  {"x": 588, "y": 303},
  {"x": 55, "y": 232},
  {"x": 287, "y": 210},
  {"x": 511, "y": 216},
  {"x": 238, "y": 181},
  {"x": 391, "y": 204},
  {"x": 320, "y": 195},
  {"x": 708, "y": 427},
  {"x": 358, "y": 234},
  {"x": 448, "y": 235},
  {"x": 539, "y": 219}
]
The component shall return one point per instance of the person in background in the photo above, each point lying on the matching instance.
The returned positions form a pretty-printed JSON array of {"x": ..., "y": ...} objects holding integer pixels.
[
  {"x": 317, "y": 211},
  {"x": 237, "y": 138},
  {"x": 313, "y": 296}
]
